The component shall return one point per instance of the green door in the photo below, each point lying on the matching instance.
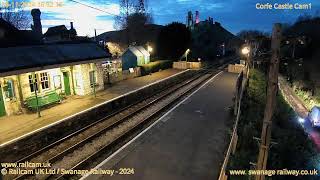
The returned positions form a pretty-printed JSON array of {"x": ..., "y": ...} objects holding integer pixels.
[
  {"x": 66, "y": 81},
  {"x": 2, "y": 108}
]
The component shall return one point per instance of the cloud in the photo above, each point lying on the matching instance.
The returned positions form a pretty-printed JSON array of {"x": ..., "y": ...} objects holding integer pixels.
[
  {"x": 85, "y": 19},
  {"x": 233, "y": 14}
]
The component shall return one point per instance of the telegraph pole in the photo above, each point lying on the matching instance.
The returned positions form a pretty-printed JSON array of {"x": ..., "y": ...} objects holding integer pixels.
[{"x": 271, "y": 100}]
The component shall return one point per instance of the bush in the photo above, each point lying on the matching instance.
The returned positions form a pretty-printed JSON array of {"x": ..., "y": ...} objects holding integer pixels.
[
  {"x": 155, "y": 66},
  {"x": 307, "y": 98},
  {"x": 293, "y": 150}
]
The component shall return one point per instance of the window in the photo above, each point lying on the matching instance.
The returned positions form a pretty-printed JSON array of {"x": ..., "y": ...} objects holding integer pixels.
[
  {"x": 33, "y": 82},
  {"x": 57, "y": 81},
  {"x": 78, "y": 79},
  {"x": 93, "y": 79},
  {"x": 44, "y": 80}
]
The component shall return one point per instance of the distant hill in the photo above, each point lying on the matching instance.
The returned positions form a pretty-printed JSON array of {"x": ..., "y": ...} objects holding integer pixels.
[
  {"x": 208, "y": 39},
  {"x": 149, "y": 33}
]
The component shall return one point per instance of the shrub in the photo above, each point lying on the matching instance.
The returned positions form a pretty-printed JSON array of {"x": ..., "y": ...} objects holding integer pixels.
[
  {"x": 155, "y": 66},
  {"x": 293, "y": 150}
]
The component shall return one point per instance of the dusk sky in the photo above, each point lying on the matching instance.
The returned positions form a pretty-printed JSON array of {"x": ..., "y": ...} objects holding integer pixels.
[{"x": 234, "y": 15}]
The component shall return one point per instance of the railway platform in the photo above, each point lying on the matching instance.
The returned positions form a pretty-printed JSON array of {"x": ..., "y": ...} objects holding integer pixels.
[
  {"x": 188, "y": 142},
  {"x": 16, "y": 126}
]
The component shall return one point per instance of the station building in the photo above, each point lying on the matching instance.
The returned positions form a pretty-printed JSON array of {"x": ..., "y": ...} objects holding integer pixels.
[{"x": 36, "y": 76}]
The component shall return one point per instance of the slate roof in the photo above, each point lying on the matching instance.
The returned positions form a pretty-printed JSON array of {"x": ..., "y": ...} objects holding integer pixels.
[
  {"x": 143, "y": 50},
  {"x": 135, "y": 51},
  {"x": 56, "y": 30},
  {"x": 24, "y": 57}
]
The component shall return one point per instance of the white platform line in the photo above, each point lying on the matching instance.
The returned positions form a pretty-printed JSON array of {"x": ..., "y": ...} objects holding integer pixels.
[
  {"x": 86, "y": 110},
  {"x": 147, "y": 129}
]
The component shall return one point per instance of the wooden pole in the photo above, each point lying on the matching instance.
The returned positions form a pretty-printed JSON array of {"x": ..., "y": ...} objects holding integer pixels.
[{"x": 271, "y": 100}]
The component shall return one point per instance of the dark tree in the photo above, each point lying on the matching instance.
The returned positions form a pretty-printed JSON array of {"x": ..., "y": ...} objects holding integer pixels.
[
  {"x": 132, "y": 19},
  {"x": 174, "y": 39},
  {"x": 251, "y": 34},
  {"x": 18, "y": 18},
  {"x": 132, "y": 13}
]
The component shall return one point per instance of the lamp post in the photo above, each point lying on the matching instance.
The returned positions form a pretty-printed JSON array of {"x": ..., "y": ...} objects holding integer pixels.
[
  {"x": 150, "y": 49},
  {"x": 246, "y": 51},
  {"x": 187, "y": 52}
]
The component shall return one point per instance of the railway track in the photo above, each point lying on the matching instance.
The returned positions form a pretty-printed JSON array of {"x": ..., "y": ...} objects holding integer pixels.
[{"x": 81, "y": 149}]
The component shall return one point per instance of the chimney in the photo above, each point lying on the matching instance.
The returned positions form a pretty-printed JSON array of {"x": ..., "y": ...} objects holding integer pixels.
[
  {"x": 36, "y": 27},
  {"x": 71, "y": 25}
]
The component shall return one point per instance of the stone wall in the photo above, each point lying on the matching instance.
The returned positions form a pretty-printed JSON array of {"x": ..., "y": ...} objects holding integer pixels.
[
  {"x": 83, "y": 86},
  {"x": 236, "y": 68},
  {"x": 12, "y": 104},
  {"x": 187, "y": 65}
]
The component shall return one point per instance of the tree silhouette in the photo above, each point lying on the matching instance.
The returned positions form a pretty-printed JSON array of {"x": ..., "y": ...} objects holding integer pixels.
[{"x": 174, "y": 39}]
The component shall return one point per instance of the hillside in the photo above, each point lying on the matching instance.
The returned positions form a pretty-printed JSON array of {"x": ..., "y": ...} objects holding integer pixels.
[
  {"x": 207, "y": 40},
  {"x": 148, "y": 33}
]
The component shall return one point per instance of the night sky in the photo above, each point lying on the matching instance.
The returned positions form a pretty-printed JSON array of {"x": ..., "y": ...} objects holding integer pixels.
[{"x": 234, "y": 15}]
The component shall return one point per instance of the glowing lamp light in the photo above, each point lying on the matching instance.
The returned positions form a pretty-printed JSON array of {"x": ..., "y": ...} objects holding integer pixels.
[
  {"x": 150, "y": 49},
  {"x": 245, "y": 50},
  {"x": 301, "y": 120}
]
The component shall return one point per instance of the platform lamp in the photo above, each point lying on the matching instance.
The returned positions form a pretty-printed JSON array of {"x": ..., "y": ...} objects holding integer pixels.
[
  {"x": 246, "y": 51},
  {"x": 186, "y": 53},
  {"x": 150, "y": 49}
]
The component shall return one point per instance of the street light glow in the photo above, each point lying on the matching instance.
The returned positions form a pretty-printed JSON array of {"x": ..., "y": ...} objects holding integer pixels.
[
  {"x": 150, "y": 49},
  {"x": 301, "y": 120},
  {"x": 245, "y": 50},
  {"x": 186, "y": 54}
]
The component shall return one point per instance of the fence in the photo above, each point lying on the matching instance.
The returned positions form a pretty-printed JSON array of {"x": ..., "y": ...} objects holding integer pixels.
[
  {"x": 236, "y": 68},
  {"x": 240, "y": 87},
  {"x": 186, "y": 65}
]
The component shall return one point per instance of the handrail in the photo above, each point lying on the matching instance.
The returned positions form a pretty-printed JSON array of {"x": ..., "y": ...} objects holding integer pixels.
[{"x": 234, "y": 137}]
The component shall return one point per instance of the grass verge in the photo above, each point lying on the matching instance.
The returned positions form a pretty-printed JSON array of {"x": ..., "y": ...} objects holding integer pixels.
[{"x": 294, "y": 150}]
